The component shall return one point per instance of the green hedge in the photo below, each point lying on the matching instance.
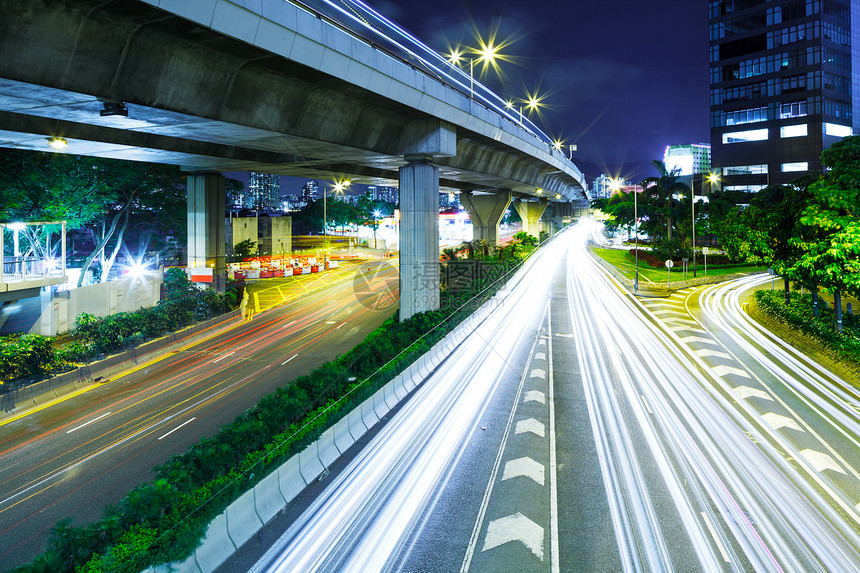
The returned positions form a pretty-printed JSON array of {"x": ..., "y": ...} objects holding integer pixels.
[
  {"x": 164, "y": 521},
  {"x": 799, "y": 315}
]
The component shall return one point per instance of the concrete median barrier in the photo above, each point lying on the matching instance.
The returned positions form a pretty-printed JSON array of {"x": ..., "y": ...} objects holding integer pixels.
[
  {"x": 343, "y": 439},
  {"x": 290, "y": 479},
  {"x": 368, "y": 413},
  {"x": 309, "y": 463},
  {"x": 242, "y": 519},
  {"x": 356, "y": 424},
  {"x": 380, "y": 406},
  {"x": 327, "y": 449},
  {"x": 268, "y": 499},
  {"x": 216, "y": 546}
]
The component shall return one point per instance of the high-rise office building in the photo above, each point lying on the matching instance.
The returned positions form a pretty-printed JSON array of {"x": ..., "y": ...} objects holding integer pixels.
[
  {"x": 263, "y": 191},
  {"x": 785, "y": 85}
]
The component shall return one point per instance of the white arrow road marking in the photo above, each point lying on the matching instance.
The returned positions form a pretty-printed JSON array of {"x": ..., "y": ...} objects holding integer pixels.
[
  {"x": 820, "y": 461},
  {"x": 524, "y": 467},
  {"x": 689, "y": 339},
  {"x": 538, "y": 373},
  {"x": 689, "y": 324},
  {"x": 534, "y": 396},
  {"x": 540, "y": 356},
  {"x": 670, "y": 311},
  {"x": 542, "y": 341},
  {"x": 530, "y": 425},
  {"x": 723, "y": 369},
  {"x": 777, "y": 421},
  {"x": 677, "y": 327},
  {"x": 515, "y": 527},
  {"x": 715, "y": 353},
  {"x": 747, "y": 392}
]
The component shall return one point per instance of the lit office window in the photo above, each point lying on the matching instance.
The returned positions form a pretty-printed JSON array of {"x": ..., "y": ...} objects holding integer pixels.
[
  {"x": 837, "y": 130},
  {"x": 793, "y": 130},
  {"x": 743, "y": 136},
  {"x": 798, "y": 166},
  {"x": 745, "y": 170}
]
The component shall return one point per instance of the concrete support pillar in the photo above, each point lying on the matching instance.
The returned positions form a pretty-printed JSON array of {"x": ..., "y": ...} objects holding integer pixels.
[
  {"x": 419, "y": 237},
  {"x": 486, "y": 212},
  {"x": 530, "y": 212},
  {"x": 206, "y": 234}
]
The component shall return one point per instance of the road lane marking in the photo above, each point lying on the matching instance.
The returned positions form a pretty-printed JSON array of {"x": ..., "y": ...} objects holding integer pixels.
[
  {"x": 530, "y": 425},
  {"x": 331, "y": 322},
  {"x": 820, "y": 461},
  {"x": 553, "y": 482},
  {"x": 719, "y": 543},
  {"x": 540, "y": 356},
  {"x": 289, "y": 325},
  {"x": 534, "y": 396},
  {"x": 538, "y": 373},
  {"x": 724, "y": 369},
  {"x": 177, "y": 427},
  {"x": 747, "y": 392},
  {"x": 342, "y": 324},
  {"x": 777, "y": 421},
  {"x": 647, "y": 407},
  {"x": 288, "y": 359},
  {"x": 223, "y": 357},
  {"x": 564, "y": 335},
  {"x": 88, "y": 423},
  {"x": 516, "y": 527},
  {"x": 525, "y": 467}
]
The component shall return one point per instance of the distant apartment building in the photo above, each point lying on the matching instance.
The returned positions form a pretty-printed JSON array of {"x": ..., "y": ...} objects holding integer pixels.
[
  {"x": 386, "y": 194},
  {"x": 688, "y": 159},
  {"x": 310, "y": 192},
  {"x": 784, "y": 86},
  {"x": 601, "y": 187},
  {"x": 264, "y": 192}
]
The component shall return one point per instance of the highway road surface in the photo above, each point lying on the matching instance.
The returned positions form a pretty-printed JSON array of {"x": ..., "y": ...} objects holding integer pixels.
[
  {"x": 73, "y": 458},
  {"x": 581, "y": 428}
]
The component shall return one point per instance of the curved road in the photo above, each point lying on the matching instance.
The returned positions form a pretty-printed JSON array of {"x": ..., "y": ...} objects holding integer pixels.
[{"x": 583, "y": 429}]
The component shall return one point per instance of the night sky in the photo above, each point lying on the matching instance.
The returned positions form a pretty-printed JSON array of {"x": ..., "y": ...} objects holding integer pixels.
[{"x": 623, "y": 78}]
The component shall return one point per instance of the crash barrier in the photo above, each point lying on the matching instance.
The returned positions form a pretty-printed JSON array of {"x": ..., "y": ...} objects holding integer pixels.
[
  {"x": 310, "y": 464},
  {"x": 103, "y": 370}
]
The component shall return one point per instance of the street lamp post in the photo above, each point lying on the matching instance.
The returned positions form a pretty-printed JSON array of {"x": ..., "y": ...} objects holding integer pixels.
[
  {"x": 339, "y": 186},
  {"x": 486, "y": 54},
  {"x": 615, "y": 185},
  {"x": 693, "y": 218}
]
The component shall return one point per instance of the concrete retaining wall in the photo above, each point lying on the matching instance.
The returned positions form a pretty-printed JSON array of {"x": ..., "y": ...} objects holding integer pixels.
[{"x": 60, "y": 309}]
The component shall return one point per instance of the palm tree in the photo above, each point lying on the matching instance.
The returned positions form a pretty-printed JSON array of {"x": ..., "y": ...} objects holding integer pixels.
[{"x": 665, "y": 186}]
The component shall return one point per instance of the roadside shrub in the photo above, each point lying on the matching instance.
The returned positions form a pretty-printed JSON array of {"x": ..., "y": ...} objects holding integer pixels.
[{"x": 798, "y": 314}]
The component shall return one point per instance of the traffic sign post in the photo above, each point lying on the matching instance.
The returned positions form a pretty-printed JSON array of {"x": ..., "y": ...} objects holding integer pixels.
[
  {"x": 669, "y": 265},
  {"x": 705, "y": 252}
]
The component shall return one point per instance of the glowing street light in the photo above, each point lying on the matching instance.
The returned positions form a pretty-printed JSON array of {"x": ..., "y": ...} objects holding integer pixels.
[
  {"x": 338, "y": 187},
  {"x": 487, "y": 54}
]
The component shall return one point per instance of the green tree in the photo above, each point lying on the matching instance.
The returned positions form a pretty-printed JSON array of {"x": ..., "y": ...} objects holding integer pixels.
[
  {"x": 830, "y": 245},
  {"x": 660, "y": 203},
  {"x": 99, "y": 195},
  {"x": 245, "y": 248}
]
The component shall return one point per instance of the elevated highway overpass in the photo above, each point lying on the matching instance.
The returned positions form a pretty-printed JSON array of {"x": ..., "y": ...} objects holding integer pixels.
[{"x": 277, "y": 87}]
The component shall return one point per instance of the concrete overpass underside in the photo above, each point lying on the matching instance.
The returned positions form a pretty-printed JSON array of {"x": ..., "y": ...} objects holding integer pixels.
[{"x": 212, "y": 98}]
